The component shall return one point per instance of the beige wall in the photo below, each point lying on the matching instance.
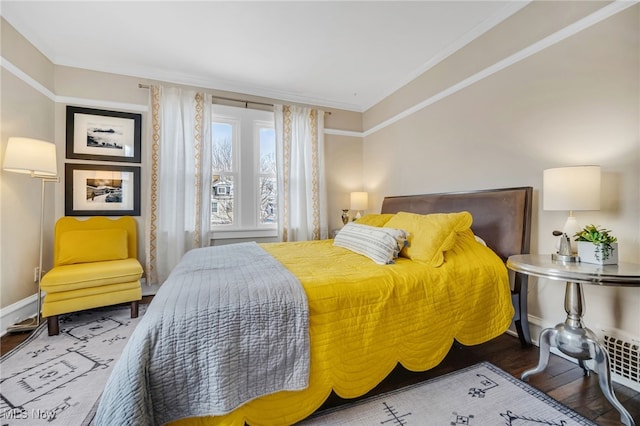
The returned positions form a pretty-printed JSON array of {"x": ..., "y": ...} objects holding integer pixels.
[
  {"x": 574, "y": 102},
  {"x": 26, "y": 112}
]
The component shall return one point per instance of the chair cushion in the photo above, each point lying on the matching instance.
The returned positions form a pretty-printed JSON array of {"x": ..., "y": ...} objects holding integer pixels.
[
  {"x": 87, "y": 275},
  {"x": 79, "y": 300},
  {"x": 92, "y": 245}
]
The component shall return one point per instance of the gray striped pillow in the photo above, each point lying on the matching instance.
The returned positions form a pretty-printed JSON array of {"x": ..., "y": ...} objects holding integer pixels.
[{"x": 381, "y": 245}]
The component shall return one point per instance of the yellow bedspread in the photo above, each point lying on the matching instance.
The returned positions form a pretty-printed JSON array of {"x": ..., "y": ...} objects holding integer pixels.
[{"x": 365, "y": 318}]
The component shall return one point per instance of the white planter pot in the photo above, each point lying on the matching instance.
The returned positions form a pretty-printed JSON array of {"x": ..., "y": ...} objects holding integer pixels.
[{"x": 593, "y": 253}]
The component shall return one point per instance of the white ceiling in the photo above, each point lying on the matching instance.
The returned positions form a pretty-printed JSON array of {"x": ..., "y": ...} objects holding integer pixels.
[{"x": 343, "y": 54}]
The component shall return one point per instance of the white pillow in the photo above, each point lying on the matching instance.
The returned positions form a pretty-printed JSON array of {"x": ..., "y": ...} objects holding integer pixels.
[{"x": 381, "y": 245}]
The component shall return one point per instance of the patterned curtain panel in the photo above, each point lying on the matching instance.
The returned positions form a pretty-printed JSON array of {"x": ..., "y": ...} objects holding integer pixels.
[
  {"x": 302, "y": 200},
  {"x": 178, "y": 178}
]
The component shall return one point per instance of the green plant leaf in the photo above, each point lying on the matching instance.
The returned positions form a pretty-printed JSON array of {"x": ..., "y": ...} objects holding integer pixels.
[{"x": 596, "y": 235}]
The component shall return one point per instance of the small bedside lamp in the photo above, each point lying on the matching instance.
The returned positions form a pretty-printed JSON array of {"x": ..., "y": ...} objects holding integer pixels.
[
  {"x": 571, "y": 189},
  {"x": 359, "y": 202}
]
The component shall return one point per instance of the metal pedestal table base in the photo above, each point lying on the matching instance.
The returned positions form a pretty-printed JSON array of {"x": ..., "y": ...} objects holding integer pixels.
[{"x": 575, "y": 340}]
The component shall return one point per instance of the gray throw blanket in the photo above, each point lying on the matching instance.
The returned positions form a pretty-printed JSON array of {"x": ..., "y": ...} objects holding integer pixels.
[{"x": 230, "y": 324}]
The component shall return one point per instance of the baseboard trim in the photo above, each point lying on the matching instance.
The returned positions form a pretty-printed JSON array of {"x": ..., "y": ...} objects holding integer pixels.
[
  {"x": 17, "y": 312},
  {"x": 150, "y": 290}
]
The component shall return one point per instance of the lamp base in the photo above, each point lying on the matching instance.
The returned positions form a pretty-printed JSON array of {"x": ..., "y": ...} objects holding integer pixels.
[
  {"x": 19, "y": 328},
  {"x": 562, "y": 258},
  {"x": 571, "y": 228}
]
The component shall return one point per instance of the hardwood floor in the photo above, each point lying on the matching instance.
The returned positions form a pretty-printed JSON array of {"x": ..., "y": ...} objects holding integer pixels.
[{"x": 562, "y": 380}]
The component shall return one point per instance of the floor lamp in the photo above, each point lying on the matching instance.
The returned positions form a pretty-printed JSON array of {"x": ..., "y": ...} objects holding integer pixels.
[{"x": 37, "y": 158}]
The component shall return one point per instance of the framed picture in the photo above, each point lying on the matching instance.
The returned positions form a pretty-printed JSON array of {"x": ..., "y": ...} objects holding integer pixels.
[
  {"x": 101, "y": 190},
  {"x": 95, "y": 134}
]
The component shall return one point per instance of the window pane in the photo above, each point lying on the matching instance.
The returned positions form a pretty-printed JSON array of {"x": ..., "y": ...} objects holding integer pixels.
[
  {"x": 222, "y": 200},
  {"x": 267, "y": 184},
  {"x": 267, "y": 150},
  {"x": 222, "y": 134},
  {"x": 268, "y": 201}
]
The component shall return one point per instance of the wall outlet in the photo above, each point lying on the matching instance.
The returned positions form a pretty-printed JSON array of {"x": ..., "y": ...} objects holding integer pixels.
[{"x": 36, "y": 272}]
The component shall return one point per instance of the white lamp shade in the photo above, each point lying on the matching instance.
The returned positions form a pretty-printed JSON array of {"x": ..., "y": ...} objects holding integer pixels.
[
  {"x": 359, "y": 200},
  {"x": 571, "y": 188},
  {"x": 33, "y": 156}
]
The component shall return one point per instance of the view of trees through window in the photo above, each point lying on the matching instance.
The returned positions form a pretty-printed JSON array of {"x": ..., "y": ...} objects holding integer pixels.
[
  {"x": 267, "y": 179},
  {"x": 251, "y": 186},
  {"x": 222, "y": 189}
]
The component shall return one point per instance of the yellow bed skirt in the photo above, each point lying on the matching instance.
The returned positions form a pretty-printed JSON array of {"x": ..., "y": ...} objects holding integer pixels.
[{"x": 364, "y": 319}]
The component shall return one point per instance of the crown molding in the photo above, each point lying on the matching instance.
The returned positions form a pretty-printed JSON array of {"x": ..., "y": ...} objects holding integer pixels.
[
  {"x": 211, "y": 83},
  {"x": 507, "y": 11},
  {"x": 580, "y": 25},
  {"x": 570, "y": 30},
  {"x": 97, "y": 103}
]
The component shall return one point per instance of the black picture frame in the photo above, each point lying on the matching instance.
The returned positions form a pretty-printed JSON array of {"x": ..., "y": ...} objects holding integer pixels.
[
  {"x": 101, "y": 190},
  {"x": 97, "y": 134}
]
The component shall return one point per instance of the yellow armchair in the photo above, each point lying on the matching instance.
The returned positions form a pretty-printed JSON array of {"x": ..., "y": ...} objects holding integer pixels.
[{"x": 94, "y": 264}]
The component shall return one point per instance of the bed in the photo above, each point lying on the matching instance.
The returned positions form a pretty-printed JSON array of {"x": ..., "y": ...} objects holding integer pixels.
[{"x": 354, "y": 321}]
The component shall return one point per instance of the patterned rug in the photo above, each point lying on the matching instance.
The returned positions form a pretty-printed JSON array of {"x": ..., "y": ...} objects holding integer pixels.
[
  {"x": 58, "y": 379},
  {"x": 480, "y": 395}
]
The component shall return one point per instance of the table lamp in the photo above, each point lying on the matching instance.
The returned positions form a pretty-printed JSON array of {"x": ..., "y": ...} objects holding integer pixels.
[
  {"x": 37, "y": 158},
  {"x": 571, "y": 189},
  {"x": 359, "y": 202}
]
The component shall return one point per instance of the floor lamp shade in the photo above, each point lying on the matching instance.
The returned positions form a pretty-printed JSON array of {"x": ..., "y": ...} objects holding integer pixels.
[{"x": 32, "y": 156}]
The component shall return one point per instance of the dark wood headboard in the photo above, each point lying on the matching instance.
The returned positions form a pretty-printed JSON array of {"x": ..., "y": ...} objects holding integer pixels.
[{"x": 501, "y": 217}]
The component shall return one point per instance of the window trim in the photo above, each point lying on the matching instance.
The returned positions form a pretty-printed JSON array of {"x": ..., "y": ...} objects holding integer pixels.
[{"x": 243, "y": 233}]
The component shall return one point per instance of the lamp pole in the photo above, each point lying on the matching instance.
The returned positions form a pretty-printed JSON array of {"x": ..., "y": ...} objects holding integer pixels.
[{"x": 32, "y": 325}]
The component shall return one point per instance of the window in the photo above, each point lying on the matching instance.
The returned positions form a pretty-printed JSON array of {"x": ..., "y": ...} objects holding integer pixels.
[
  {"x": 223, "y": 134},
  {"x": 267, "y": 183},
  {"x": 244, "y": 185}
]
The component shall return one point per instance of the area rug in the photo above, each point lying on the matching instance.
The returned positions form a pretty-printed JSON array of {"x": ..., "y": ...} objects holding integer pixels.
[
  {"x": 480, "y": 395},
  {"x": 57, "y": 380}
]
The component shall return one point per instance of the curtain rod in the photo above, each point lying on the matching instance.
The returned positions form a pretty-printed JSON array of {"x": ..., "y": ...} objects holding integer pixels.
[{"x": 245, "y": 102}]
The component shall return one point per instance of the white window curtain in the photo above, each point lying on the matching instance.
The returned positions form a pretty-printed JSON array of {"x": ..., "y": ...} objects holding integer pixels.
[
  {"x": 178, "y": 178},
  {"x": 302, "y": 199}
]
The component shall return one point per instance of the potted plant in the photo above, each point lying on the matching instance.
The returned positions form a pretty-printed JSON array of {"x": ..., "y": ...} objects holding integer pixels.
[{"x": 597, "y": 245}]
